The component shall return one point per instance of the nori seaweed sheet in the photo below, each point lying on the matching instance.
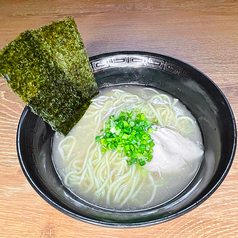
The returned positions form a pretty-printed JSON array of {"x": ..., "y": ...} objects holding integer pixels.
[{"x": 50, "y": 70}]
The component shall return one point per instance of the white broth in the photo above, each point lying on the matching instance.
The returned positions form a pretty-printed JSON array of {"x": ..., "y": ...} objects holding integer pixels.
[{"x": 104, "y": 178}]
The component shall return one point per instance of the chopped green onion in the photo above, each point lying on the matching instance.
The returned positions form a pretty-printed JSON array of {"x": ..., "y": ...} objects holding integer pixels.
[
  {"x": 97, "y": 138},
  {"x": 128, "y": 134},
  {"x": 150, "y": 130},
  {"x": 141, "y": 162}
]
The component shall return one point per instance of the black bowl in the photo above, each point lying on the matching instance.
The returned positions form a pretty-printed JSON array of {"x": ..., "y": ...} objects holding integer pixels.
[{"x": 204, "y": 99}]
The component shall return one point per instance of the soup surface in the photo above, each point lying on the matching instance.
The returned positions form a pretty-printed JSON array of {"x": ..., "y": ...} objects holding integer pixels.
[{"x": 104, "y": 178}]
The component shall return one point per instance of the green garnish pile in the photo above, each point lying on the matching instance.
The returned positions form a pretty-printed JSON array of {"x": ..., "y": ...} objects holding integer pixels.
[
  {"x": 50, "y": 70},
  {"x": 128, "y": 134}
]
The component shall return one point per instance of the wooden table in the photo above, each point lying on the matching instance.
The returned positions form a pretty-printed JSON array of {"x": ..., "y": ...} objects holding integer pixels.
[{"x": 201, "y": 33}]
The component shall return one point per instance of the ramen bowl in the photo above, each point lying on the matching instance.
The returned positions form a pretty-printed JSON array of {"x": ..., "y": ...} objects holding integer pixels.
[{"x": 201, "y": 96}]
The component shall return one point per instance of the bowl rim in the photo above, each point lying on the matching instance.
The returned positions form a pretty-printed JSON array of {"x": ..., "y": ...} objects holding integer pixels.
[{"x": 133, "y": 224}]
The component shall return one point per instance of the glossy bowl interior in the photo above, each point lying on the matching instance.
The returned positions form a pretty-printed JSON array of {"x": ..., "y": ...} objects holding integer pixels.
[{"x": 203, "y": 98}]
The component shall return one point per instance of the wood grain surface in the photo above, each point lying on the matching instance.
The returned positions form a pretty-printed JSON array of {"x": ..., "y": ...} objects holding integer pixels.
[{"x": 201, "y": 33}]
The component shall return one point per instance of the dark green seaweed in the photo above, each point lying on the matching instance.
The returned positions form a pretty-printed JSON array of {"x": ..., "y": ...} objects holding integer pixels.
[{"x": 50, "y": 70}]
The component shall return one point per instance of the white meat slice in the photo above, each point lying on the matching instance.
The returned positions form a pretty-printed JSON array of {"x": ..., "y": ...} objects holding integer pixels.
[{"x": 171, "y": 151}]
